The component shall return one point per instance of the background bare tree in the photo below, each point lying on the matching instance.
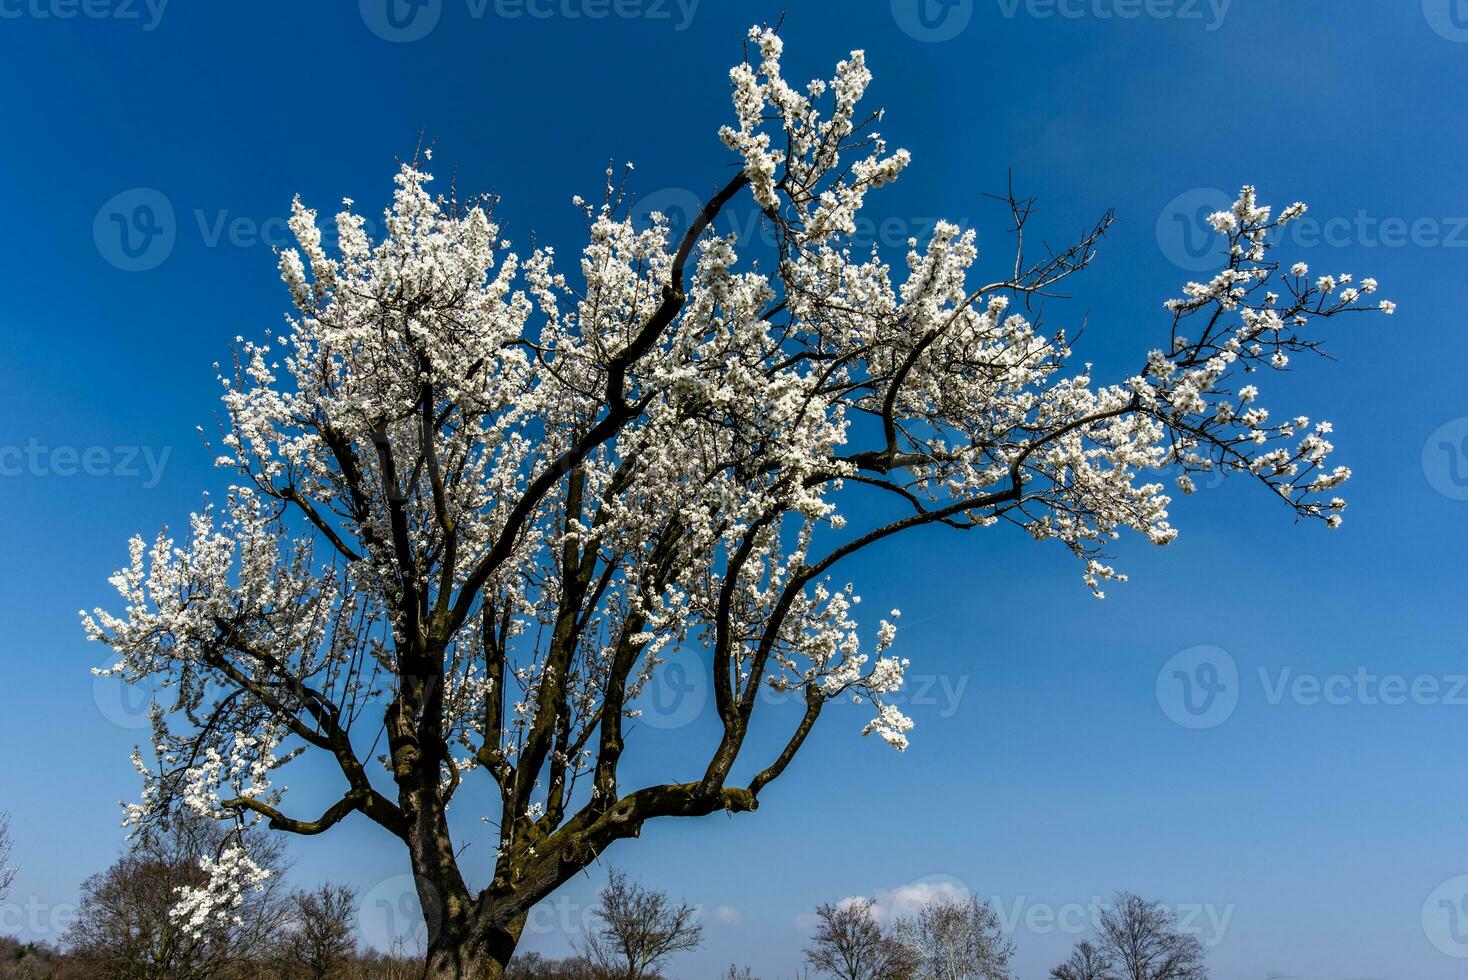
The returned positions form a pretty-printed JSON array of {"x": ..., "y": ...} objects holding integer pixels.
[
  {"x": 640, "y": 929},
  {"x": 1087, "y": 962},
  {"x": 850, "y": 944},
  {"x": 7, "y": 873},
  {"x": 1137, "y": 940},
  {"x": 320, "y": 935},
  {"x": 534, "y": 966},
  {"x": 957, "y": 941},
  {"x": 124, "y": 926},
  {"x": 33, "y": 961},
  {"x": 371, "y": 964}
]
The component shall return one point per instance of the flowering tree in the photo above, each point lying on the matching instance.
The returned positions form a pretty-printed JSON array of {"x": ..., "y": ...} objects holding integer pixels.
[
  {"x": 481, "y": 499},
  {"x": 126, "y": 924}
]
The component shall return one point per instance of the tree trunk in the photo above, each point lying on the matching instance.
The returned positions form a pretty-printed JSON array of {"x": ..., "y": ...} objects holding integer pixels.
[
  {"x": 460, "y": 950},
  {"x": 468, "y": 960}
]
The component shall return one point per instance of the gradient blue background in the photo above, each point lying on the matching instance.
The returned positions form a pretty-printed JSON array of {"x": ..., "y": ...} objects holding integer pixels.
[{"x": 1057, "y": 775}]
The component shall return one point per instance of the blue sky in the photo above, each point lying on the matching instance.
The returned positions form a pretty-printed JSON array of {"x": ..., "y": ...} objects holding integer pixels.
[{"x": 1311, "y": 808}]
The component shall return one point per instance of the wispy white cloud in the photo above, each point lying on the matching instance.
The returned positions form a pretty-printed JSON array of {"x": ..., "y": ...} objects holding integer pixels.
[
  {"x": 903, "y": 901},
  {"x": 727, "y": 914}
]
